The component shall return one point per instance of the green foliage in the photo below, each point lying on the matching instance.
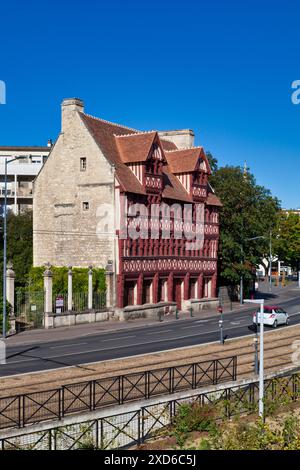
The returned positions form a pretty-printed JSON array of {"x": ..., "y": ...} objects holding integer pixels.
[
  {"x": 286, "y": 242},
  {"x": 8, "y": 311},
  {"x": 248, "y": 211},
  {"x": 60, "y": 279},
  {"x": 192, "y": 418},
  {"x": 19, "y": 245}
]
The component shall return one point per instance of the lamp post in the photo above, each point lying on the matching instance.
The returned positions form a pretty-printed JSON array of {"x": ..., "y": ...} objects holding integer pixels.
[
  {"x": 5, "y": 242},
  {"x": 261, "y": 355}
]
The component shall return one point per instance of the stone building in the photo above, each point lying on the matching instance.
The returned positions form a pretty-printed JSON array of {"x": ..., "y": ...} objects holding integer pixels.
[{"x": 96, "y": 173}]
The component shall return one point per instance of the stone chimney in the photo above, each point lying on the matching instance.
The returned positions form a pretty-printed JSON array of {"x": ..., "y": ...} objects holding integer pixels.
[
  {"x": 182, "y": 138},
  {"x": 69, "y": 107}
]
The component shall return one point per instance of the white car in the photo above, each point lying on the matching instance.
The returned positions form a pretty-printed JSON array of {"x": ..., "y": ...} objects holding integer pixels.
[{"x": 273, "y": 316}]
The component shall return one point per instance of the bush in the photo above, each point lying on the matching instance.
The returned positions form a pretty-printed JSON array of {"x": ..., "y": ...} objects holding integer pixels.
[
  {"x": 60, "y": 280},
  {"x": 8, "y": 312}
]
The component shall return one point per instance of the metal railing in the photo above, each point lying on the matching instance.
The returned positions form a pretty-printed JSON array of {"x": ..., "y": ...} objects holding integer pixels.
[
  {"x": 31, "y": 408},
  {"x": 134, "y": 427}
]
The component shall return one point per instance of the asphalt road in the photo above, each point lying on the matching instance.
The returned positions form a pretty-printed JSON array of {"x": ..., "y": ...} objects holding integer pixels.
[{"x": 139, "y": 340}]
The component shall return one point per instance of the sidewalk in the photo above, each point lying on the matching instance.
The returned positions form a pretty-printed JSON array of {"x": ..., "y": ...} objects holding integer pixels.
[{"x": 79, "y": 331}]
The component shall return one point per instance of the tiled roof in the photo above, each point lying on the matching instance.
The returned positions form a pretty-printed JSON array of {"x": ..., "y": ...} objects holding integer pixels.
[
  {"x": 121, "y": 145},
  {"x": 183, "y": 161},
  {"x": 173, "y": 188},
  {"x": 135, "y": 147},
  {"x": 213, "y": 200}
]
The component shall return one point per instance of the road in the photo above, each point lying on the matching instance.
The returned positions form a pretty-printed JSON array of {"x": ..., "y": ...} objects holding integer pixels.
[{"x": 140, "y": 340}]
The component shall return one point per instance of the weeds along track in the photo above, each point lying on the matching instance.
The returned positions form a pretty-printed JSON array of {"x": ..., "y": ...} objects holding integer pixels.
[{"x": 278, "y": 354}]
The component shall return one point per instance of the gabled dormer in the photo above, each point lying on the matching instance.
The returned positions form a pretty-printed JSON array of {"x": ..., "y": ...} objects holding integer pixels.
[
  {"x": 144, "y": 155},
  {"x": 191, "y": 167}
]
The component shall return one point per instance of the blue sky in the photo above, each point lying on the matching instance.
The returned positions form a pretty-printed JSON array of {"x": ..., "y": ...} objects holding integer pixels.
[{"x": 221, "y": 68}]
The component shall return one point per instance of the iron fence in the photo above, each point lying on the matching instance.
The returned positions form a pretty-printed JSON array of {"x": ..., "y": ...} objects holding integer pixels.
[
  {"x": 29, "y": 310},
  {"x": 79, "y": 301},
  {"x": 134, "y": 427},
  {"x": 32, "y": 408}
]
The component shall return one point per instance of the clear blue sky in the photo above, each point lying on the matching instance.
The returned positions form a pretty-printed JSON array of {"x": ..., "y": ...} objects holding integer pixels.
[{"x": 222, "y": 68}]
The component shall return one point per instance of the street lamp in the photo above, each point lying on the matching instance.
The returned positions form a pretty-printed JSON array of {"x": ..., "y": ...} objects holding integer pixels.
[
  {"x": 261, "y": 355},
  {"x": 4, "y": 242}
]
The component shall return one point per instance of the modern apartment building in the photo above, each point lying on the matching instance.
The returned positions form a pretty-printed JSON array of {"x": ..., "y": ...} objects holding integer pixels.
[{"x": 20, "y": 174}]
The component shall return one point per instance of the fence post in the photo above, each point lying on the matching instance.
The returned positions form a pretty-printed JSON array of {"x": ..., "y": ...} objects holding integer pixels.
[
  {"x": 147, "y": 384},
  {"x": 142, "y": 418},
  {"x": 194, "y": 371},
  {"x": 121, "y": 389},
  {"x": 90, "y": 288},
  {"x": 62, "y": 395},
  {"x": 234, "y": 367},
  {"x": 171, "y": 380},
  {"x": 93, "y": 394},
  {"x": 48, "y": 297},
  {"x": 215, "y": 372},
  {"x": 70, "y": 289}
]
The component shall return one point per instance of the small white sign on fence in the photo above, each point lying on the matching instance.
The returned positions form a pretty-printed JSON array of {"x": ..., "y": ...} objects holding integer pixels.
[{"x": 59, "y": 303}]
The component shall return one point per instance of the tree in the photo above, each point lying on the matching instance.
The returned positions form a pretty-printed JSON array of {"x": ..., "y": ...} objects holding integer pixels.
[
  {"x": 287, "y": 241},
  {"x": 213, "y": 162},
  {"x": 248, "y": 211},
  {"x": 19, "y": 245}
]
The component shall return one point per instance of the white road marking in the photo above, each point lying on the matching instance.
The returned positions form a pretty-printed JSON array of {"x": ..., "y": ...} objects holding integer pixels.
[
  {"x": 293, "y": 314},
  {"x": 154, "y": 332},
  {"x": 67, "y": 345},
  {"x": 119, "y": 337}
]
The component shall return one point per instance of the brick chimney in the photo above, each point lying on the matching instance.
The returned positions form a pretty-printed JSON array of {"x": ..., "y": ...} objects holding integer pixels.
[
  {"x": 69, "y": 107},
  {"x": 182, "y": 138}
]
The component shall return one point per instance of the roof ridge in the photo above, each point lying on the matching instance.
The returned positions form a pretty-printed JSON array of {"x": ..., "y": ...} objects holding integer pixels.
[
  {"x": 110, "y": 122},
  {"x": 182, "y": 150},
  {"x": 135, "y": 134}
]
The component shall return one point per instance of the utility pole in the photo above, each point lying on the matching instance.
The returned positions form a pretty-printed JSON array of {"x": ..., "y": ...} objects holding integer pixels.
[
  {"x": 261, "y": 354},
  {"x": 5, "y": 242},
  {"x": 4, "y": 253},
  {"x": 270, "y": 263}
]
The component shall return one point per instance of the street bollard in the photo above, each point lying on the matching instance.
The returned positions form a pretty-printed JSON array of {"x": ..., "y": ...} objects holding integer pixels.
[
  {"x": 191, "y": 312},
  {"x": 176, "y": 314}
]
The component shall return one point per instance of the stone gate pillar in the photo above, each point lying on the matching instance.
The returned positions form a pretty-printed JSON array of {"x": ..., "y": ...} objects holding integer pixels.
[
  {"x": 109, "y": 288},
  {"x": 70, "y": 289},
  {"x": 90, "y": 288},
  {"x": 10, "y": 287},
  {"x": 48, "y": 323},
  {"x": 10, "y": 296}
]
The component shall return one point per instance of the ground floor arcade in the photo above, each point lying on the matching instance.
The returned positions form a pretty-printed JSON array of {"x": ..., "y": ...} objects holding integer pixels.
[{"x": 151, "y": 288}]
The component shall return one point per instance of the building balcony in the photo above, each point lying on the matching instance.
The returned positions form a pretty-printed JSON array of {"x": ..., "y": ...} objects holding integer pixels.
[{"x": 199, "y": 191}]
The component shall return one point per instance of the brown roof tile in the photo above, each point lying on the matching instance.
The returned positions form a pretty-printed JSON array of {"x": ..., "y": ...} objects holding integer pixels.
[
  {"x": 135, "y": 147},
  {"x": 121, "y": 145},
  {"x": 213, "y": 200}
]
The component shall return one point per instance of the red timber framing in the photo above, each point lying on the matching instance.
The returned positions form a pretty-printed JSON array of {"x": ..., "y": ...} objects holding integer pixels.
[{"x": 154, "y": 270}]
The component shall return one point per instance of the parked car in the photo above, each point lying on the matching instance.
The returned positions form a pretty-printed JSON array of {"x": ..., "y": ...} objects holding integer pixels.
[{"x": 273, "y": 316}]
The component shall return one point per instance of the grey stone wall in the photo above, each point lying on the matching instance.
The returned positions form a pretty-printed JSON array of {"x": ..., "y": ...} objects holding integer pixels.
[{"x": 63, "y": 233}]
